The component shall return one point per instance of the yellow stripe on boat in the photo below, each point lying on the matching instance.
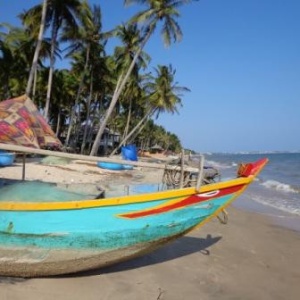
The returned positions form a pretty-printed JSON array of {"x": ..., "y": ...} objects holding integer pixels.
[{"x": 82, "y": 204}]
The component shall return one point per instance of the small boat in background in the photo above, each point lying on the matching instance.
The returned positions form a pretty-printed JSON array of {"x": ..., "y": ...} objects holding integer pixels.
[{"x": 114, "y": 166}]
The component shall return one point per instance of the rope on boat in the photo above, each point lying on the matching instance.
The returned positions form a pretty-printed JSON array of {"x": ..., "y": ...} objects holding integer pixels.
[
  {"x": 172, "y": 178},
  {"x": 173, "y": 174}
]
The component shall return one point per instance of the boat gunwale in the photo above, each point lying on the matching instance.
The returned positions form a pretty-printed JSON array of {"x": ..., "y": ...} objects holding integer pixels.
[{"x": 123, "y": 200}]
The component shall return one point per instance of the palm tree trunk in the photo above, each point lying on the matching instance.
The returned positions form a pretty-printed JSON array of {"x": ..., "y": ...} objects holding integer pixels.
[
  {"x": 37, "y": 50},
  {"x": 128, "y": 120},
  {"x": 78, "y": 95},
  {"x": 58, "y": 122},
  {"x": 87, "y": 116},
  {"x": 51, "y": 70},
  {"x": 147, "y": 115},
  {"x": 34, "y": 85},
  {"x": 139, "y": 131},
  {"x": 117, "y": 94}
]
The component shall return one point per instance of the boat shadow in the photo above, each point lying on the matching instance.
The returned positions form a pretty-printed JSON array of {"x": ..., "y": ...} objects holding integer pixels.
[{"x": 182, "y": 247}]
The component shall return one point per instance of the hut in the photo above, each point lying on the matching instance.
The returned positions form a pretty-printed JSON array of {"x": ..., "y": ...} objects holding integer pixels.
[{"x": 156, "y": 149}]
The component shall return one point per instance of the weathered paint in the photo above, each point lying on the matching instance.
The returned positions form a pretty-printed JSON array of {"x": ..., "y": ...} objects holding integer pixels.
[{"x": 99, "y": 227}]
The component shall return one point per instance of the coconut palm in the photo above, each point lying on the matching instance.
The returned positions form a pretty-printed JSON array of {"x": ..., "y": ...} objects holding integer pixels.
[
  {"x": 58, "y": 13},
  {"x": 130, "y": 37},
  {"x": 20, "y": 44},
  {"x": 37, "y": 49},
  {"x": 6, "y": 61},
  {"x": 86, "y": 40},
  {"x": 163, "y": 11},
  {"x": 164, "y": 95}
]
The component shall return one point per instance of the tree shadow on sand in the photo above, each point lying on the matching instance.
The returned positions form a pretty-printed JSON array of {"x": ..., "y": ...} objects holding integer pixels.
[{"x": 182, "y": 247}]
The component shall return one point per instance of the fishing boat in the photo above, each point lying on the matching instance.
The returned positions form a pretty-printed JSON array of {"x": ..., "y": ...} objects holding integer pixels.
[
  {"x": 42, "y": 238},
  {"x": 113, "y": 166}
]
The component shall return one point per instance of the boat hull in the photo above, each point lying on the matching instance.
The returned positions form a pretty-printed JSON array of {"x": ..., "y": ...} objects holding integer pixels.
[
  {"x": 114, "y": 166},
  {"x": 40, "y": 243},
  {"x": 32, "y": 262}
]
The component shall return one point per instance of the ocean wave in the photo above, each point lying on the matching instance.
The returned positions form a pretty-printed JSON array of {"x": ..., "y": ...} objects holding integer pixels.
[
  {"x": 279, "y": 186},
  {"x": 279, "y": 205},
  {"x": 217, "y": 165}
]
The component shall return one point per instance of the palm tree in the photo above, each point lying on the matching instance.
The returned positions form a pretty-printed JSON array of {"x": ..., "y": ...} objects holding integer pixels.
[
  {"x": 130, "y": 37},
  {"x": 37, "y": 49},
  {"x": 17, "y": 47},
  {"x": 6, "y": 61},
  {"x": 164, "y": 96},
  {"x": 86, "y": 39},
  {"x": 65, "y": 85},
  {"x": 164, "y": 11},
  {"x": 58, "y": 13}
]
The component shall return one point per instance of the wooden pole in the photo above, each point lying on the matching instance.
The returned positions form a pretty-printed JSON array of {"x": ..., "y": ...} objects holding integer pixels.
[
  {"x": 200, "y": 174},
  {"x": 24, "y": 163},
  {"x": 182, "y": 169},
  {"x": 23, "y": 149}
]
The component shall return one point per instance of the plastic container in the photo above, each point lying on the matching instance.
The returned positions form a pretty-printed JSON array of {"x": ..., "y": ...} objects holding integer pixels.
[
  {"x": 6, "y": 158},
  {"x": 129, "y": 152}
]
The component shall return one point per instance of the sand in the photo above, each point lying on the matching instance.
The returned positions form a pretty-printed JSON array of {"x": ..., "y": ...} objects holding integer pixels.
[{"x": 249, "y": 258}]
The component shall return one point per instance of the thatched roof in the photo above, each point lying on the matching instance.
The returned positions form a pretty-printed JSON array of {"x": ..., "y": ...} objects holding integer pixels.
[{"x": 156, "y": 147}]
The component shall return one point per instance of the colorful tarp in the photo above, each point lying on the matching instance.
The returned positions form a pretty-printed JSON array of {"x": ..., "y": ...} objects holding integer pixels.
[{"x": 22, "y": 124}]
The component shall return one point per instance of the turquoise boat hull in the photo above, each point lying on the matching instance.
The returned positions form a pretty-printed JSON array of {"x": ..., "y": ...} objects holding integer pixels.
[
  {"x": 50, "y": 238},
  {"x": 114, "y": 166}
]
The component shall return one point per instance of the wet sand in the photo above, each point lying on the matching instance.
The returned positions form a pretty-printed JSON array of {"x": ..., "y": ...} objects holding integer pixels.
[{"x": 249, "y": 258}]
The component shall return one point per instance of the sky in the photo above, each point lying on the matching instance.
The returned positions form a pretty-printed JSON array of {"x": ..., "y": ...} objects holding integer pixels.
[{"x": 241, "y": 61}]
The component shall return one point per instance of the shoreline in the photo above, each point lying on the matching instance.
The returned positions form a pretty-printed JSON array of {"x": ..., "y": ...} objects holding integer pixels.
[
  {"x": 277, "y": 216},
  {"x": 252, "y": 257}
]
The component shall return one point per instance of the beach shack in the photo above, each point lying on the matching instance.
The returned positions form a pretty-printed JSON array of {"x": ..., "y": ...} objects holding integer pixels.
[{"x": 156, "y": 149}]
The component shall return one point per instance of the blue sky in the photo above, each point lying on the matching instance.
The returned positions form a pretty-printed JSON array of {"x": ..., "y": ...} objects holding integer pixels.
[{"x": 241, "y": 61}]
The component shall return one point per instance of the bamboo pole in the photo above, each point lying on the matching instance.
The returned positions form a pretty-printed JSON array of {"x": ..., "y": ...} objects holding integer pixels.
[
  {"x": 23, "y": 149},
  {"x": 181, "y": 169},
  {"x": 24, "y": 164},
  {"x": 200, "y": 174}
]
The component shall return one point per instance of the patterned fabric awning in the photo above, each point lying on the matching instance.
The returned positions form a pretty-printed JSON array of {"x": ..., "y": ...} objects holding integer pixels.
[{"x": 22, "y": 124}]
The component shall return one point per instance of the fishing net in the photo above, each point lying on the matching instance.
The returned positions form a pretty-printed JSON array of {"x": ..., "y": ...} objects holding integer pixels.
[
  {"x": 32, "y": 191},
  {"x": 53, "y": 160}
]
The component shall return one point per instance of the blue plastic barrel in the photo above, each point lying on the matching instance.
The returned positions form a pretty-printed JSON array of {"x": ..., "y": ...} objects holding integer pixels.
[
  {"x": 129, "y": 152},
  {"x": 6, "y": 158}
]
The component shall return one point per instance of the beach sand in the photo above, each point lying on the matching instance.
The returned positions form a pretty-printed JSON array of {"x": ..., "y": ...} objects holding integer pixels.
[{"x": 249, "y": 258}]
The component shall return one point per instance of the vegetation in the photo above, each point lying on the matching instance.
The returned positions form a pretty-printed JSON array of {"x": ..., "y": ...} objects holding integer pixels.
[{"x": 99, "y": 93}]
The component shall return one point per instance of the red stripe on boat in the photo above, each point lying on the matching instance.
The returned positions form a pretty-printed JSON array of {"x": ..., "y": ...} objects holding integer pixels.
[{"x": 185, "y": 202}]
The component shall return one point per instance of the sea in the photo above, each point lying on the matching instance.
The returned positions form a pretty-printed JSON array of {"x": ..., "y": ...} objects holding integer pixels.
[{"x": 275, "y": 192}]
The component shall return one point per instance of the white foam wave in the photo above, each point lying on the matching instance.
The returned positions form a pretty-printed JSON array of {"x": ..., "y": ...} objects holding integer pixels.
[
  {"x": 285, "y": 206},
  {"x": 279, "y": 186},
  {"x": 217, "y": 165}
]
